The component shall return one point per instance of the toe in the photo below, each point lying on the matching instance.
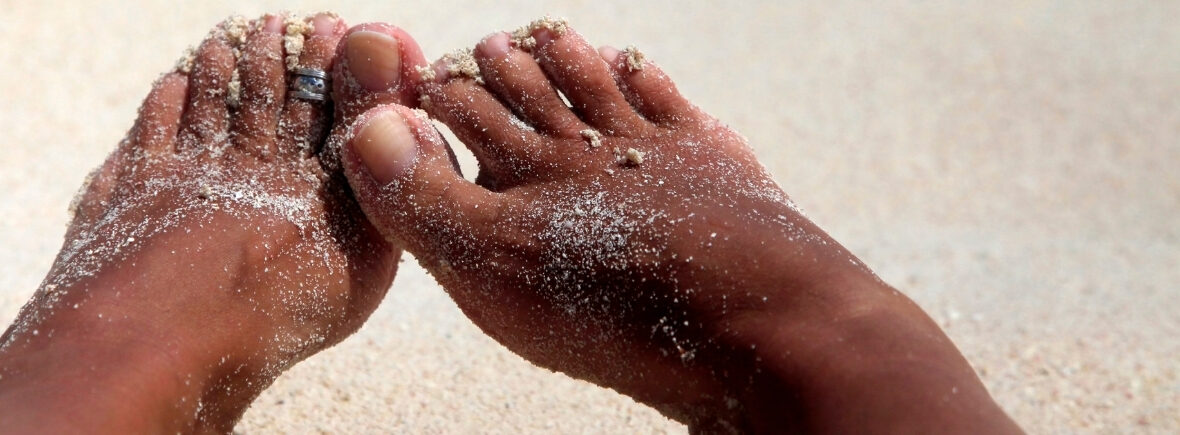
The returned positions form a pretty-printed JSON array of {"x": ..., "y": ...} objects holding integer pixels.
[
  {"x": 647, "y": 88},
  {"x": 402, "y": 175},
  {"x": 516, "y": 78},
  {"x": 262, "y": 88},
  {"x": 507, "y": 149},
  {"x": 92, "y": 200},
  {"x": 206, "y": 117},
  {"x": 579, "y": 72},
  {"x": 159, "y": 117},
  {"x": 309, "y": 44},
  {"x": 379, "y": 64}
]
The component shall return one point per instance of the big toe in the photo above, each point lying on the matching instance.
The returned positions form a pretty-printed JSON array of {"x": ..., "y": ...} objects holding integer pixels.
[
  {"x": 402, "y": 175},
  {"x": 379, "y": 64},
  {"x": 385, "y": 145}
]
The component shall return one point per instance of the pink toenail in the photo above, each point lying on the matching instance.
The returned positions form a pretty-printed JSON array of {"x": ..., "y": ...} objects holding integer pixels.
[
  {"x": 272, "y": 24},
  {"x": 542, "y": 36},
  {"x": 609, "y": 54},
  {"x": 385, "y": 146},
  {"x": 495, "y": 45},
  {"x": 325, "y": 24},
  {"x": 374, "y": 59},
  {"x": 442, "y": 71}
]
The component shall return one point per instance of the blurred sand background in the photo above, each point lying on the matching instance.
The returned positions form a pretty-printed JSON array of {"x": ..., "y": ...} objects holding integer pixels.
[{"x": 1009, "y": 165}]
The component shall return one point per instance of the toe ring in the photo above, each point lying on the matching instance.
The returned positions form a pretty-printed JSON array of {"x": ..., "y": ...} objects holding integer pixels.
[{"x": 309, "y": 84}]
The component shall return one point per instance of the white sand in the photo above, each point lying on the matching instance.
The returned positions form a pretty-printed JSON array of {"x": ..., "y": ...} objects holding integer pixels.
[{"x": 1009, "y": 165}]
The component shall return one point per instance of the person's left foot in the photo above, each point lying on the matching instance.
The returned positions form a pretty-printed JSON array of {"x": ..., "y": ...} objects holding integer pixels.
[{"x": 213, "y": 249}]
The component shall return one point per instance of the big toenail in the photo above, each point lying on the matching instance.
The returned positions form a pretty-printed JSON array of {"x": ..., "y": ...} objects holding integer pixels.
[
  {"x": 385, "y": 146},
  {"x": 495, "y": 45},
  {"x": 374, "y": 59},
  {"x": 325, "y": 24}
]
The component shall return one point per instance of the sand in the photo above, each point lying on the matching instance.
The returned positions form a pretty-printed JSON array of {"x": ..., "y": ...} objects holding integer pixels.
[
  {"x": 461, "y": 63},
  {"x": 592, "y": 136},
  {"x": 296, "y": 27},
  {"x": 634, "y": 156},
  {"x": 1006, "y": 164},
  {"x": 523, "y": 36},
  {"x": 634, "y": 58}
]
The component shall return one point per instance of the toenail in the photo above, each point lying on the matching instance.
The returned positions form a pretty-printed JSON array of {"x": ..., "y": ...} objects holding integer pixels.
[
  {"x": 442, "y": 70},
  {"x": 495, "y": 45},
  {"x": 374, "y": 59},
  {"x": 609, "y": 54},
  {"x": 543, "y": 36},
  {"x": 385, "y": 146},
  {"x": 272, "y": 24},
  {"x": 325, "y": 24}
]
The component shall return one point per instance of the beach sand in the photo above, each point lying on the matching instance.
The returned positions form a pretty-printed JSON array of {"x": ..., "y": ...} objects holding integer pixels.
[{"x": 1007, "y": 164}]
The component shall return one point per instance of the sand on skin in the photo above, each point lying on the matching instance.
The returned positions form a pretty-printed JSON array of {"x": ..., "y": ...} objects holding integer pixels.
[{"x": 1006, "y": 164}]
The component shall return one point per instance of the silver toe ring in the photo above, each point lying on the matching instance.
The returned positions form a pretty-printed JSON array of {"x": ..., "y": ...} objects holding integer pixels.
[{"x": 310, "y": 84}]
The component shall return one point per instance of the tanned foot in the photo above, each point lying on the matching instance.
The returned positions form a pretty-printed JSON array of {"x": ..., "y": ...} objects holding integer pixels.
[
  {"x": 215, "y": 248},
  {"x": 634, "y": 241}
]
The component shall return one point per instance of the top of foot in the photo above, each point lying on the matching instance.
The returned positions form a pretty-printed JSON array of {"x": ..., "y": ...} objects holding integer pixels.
[
  {"x": 221, "y": 213},
  {"x": 627, "y": 209}
]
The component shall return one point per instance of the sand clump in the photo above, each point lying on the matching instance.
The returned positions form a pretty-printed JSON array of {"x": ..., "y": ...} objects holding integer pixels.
[
  {"x": 236, "y": 29},
  {"x": 295, "y": 33},
  {"x": 634, "y": 58},
  {"x": 633, "y": 157},
  {"x": 187, "y": 59},
  {"x": 523, "y": 36},
  {"x": 461, "y": 63},
  {"x": 233, "y": 90},
  {"x": 426, "y": 73},
  {"x": 593, "y": 137}
]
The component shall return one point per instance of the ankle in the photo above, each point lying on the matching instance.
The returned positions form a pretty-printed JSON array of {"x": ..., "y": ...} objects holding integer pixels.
[
  {"x": 873, "y": 360},
  {"x": 111, "y": 352}
]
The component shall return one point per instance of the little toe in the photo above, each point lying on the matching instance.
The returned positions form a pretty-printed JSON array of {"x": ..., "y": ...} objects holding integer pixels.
[
  {"x": 92, "y": 200},
  {"x": 579, "y": 72},
  {"x": 378, "y": 64},
  {"x": 403, "y": 178},
  {"x": 262, "y": 88},
  {"x": 159, "y": 117},
  {"x": 647, "y": 88},
  {"x": 206, "y": 118},
  {"x": 309, "y": 44},
  {"x": 516, "y": 78}
]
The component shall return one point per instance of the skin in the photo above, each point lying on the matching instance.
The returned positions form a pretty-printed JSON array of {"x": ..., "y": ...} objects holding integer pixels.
[
  {"x": 179, "y": 330},
  {"x": 688, "y": 280}
]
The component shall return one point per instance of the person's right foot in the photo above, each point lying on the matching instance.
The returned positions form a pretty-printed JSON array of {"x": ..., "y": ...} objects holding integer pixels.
[
  {"x": 598, "y": 235},
  {"x": 631, "y": 240}
]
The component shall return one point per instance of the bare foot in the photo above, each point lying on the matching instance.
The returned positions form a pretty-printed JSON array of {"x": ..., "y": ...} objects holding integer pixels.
[
  {"x": 634, "y": 241},
  {"x": 213, "y": 250}
]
